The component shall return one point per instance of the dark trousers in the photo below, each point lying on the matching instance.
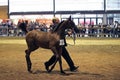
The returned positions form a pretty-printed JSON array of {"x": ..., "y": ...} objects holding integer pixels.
[{"x": 65, "y": 55}]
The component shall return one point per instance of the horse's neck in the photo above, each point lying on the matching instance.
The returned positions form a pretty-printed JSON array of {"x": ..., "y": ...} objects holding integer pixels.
[{"x": 61, "y": 31}]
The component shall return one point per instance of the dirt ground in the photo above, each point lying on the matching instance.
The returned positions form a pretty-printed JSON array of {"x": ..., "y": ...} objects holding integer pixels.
[{"x": 100, "y": 61}]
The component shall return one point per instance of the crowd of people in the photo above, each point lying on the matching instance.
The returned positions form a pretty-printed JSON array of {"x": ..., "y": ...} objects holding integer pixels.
[
  {"x": 112, "y": 30},
  {"x": 10, "y": 29}
]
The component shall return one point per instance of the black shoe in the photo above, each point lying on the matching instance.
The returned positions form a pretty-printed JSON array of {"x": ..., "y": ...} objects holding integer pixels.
[
  {"x": 74, "y": 68},
  {"x": 46, "y": 66}
]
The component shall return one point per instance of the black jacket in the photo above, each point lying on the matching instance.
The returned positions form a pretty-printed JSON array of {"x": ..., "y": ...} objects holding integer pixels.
[{"x": 53, "y": 28}]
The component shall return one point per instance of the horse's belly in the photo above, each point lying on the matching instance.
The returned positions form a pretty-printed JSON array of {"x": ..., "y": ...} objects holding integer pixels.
[
  {"x": 44, "y": 45},
  {"x": 47, "y": 45}
]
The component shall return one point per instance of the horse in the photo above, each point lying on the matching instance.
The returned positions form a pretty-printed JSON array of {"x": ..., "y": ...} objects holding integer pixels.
[{"x": 48, "y": 40}]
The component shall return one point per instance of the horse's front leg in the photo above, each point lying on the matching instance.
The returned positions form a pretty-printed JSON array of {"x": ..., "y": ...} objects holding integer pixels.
[
  {"x": 60, "y": 63},
  {"x": 53, "y": 65},
  {"x": 54, "y": 50},
  {"x": 29, "y": 64},
  {"x": 60, "y": 60},
  {"x": 57, "y": 52}
]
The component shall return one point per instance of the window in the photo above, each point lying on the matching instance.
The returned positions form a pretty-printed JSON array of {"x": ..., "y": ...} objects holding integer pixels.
[
  {"x": 63, "y": 5},
  {"x": 113, "y": 5},
  {"x": 30, "y": 5}
]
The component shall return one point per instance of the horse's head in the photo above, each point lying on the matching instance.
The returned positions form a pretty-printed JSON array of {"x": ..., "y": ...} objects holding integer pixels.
[
  {"x": 71, "y": 25},
  {"x": 66, "y": 24}
]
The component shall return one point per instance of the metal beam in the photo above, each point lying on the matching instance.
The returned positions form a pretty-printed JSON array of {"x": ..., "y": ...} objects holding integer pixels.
[{"x": 68, "y": 12}]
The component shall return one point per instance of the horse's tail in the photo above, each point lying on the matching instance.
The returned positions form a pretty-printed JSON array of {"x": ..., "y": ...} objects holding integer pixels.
[{"x": 23, "y": 27}]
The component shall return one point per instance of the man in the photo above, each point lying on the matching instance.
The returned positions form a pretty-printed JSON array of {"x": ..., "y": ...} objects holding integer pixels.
[{"x": 65, "y": 53}]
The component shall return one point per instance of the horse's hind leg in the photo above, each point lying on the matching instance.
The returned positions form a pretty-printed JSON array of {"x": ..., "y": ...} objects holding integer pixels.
[
  {"x": 29, "y": 64},
  {"x": 28, "y": 52},
  {"x": 31, "y": 47}
]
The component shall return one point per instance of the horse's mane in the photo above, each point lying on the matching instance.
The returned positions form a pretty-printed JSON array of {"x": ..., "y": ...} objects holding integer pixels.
[{"x": 56, "y": 28}]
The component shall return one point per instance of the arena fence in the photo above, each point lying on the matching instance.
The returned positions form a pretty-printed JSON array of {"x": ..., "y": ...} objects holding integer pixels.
[{"x": 83, "y": 32}]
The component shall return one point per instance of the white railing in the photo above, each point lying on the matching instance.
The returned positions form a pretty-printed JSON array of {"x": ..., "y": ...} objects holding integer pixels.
[{"x": 98, "y": 32}]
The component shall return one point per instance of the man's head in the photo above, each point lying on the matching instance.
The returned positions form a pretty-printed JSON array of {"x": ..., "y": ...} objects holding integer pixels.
[{"x": 55, "y": 20}]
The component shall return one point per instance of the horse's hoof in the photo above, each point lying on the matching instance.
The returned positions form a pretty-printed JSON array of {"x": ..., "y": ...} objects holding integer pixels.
[
  {"x": 63, "y": 73},
  {"x": 49, "y": 71},
  {"x": 30, "y": 71},
  {"x": 46, "y": 67}
]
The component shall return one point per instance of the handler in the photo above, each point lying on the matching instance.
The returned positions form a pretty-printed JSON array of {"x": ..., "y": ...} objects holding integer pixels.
[{"x": 65, "y": 53}]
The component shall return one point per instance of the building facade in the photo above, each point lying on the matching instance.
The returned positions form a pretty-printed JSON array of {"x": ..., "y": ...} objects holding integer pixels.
[{"x": 3, "y": 12}]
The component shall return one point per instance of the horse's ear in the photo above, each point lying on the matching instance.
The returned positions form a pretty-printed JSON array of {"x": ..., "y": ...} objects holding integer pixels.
[{"x": 70, "y": 18}]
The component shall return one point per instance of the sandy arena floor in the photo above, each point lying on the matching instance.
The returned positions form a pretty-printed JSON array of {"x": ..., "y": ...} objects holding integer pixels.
[{"x": 97, "y": 60}]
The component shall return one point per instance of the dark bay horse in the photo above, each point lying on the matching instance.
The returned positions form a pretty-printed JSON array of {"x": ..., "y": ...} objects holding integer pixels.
[{"x": 48, "y": 40}]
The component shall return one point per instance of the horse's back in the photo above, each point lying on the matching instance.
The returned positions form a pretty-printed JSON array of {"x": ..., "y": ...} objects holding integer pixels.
[
  {"x": 41, "y": 39},
  {"x": 36, "y": 33}
]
